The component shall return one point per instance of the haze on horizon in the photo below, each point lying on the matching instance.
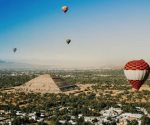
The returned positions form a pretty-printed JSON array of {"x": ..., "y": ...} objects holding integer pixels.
[{"x": 102, "y": 32}]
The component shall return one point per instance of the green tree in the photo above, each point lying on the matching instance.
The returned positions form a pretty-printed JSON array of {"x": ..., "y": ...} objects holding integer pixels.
[{"x": 145, "y": 120}]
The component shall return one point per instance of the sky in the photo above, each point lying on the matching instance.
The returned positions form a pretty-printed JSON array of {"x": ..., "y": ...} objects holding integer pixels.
[{"x": 102, "y": 32}]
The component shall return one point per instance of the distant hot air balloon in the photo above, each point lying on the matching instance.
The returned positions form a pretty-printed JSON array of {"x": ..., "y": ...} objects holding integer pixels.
[
  {"x": 137, "y": 72},
  {"x": 65, "y": 9},
  {"x": 14, "y": 50},
  {"x": 68, "y": 41}
]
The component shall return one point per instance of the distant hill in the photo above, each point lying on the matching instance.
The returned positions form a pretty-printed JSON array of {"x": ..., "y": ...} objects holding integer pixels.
[
  {"x": 14, "y": 65},
  {"x": 7, "y": 65},
  {"x": 2, "y": 62}
]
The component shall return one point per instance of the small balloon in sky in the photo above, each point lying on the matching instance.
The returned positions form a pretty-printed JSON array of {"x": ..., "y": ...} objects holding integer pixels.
[
  {"x": 14, "y": 50},
  {"x": 65, "y": 9},
  {"x": 68, "y": 41}
]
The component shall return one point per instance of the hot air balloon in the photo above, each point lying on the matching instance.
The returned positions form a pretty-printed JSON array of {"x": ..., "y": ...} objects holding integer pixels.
[
  {"x": 68, "y": 41},
  {"x": 65, "y": 9},
  {"x": 14, "y": 50},
  {"x": 136, "y": 72}
]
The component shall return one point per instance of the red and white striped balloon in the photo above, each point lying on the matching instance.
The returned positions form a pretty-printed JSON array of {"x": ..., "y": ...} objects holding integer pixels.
[{"x": 137, "y": 72}]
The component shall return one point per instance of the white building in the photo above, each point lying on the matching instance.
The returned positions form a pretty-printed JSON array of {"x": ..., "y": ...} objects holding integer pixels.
[
  {"x": 130, "y": 115},
  {"x": 72, "y": 122},
  {"x": 18, "y": 113},
  {"x": 111, "y": 112}
]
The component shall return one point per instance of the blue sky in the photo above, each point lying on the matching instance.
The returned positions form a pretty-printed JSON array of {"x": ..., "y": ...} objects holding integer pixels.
[{"x": 107, "y": 32}]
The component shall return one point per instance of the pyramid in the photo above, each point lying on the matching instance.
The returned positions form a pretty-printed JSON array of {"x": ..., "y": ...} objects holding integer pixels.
[{"x": 41, "y": 84}]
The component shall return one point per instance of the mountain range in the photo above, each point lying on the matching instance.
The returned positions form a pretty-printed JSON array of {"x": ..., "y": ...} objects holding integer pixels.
[{"x": 8, "y": 65}]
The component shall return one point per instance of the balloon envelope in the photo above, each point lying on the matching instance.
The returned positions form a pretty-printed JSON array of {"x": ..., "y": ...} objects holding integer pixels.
[
  {"x": 14, "y": 50},
  {"x": 136, "y": 72},
  {"x": 68, "y": 41},
  {"x": 65, "y": 9}
]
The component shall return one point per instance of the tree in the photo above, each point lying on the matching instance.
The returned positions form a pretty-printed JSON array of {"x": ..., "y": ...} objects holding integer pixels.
[
  {"x": 80, "y": 120},
  {"x": 133, "y": 122},
  {"x": 94, "y": 120},
  {"x": 145, "y": 120}
]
